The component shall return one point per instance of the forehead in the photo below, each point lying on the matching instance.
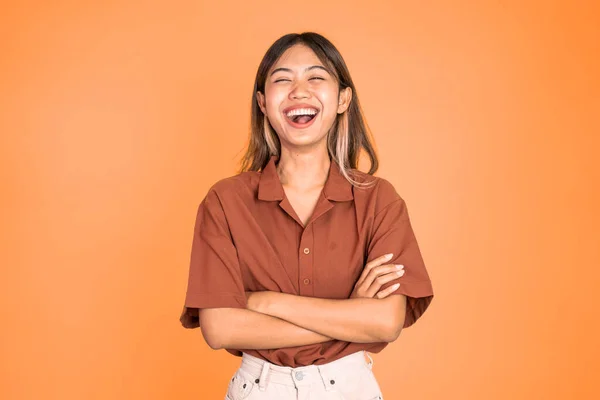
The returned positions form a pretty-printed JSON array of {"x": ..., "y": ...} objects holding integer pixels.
[{"x": 297, "y": 57}]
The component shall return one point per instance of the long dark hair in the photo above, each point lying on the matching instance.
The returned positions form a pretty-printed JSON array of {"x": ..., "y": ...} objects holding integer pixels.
[{"x": 349, "y": 133}]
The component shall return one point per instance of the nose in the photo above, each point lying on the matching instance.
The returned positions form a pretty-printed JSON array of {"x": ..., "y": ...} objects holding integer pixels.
[{"x": 299, "y": 91}]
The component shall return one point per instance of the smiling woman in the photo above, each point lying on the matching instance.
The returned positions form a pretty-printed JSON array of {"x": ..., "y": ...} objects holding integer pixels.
[
  {"x": 306, "y": 71},
  {"x": 302, "y": 264},
  {"x": 300, "y": 92}
]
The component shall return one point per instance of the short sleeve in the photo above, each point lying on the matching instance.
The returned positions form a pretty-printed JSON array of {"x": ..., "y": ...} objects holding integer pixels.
[
  {"x": 393, "y": 233},
  {"x": 214, "y": 278}
]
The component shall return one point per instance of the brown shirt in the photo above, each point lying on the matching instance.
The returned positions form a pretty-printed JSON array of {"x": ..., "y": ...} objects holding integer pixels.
[{"x": 247, "y": 237}]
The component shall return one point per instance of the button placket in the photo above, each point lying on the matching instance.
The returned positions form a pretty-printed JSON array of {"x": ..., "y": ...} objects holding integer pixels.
[{"x": 305, "y": 262}]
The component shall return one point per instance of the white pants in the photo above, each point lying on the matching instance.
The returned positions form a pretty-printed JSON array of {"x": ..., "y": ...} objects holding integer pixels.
[{"x": 348, "y": 378}]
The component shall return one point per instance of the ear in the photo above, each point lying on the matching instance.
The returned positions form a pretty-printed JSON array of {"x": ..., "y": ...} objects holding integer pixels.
[
  {"x": 345, "y": 98},
  {"x": 260, "y": 98}
]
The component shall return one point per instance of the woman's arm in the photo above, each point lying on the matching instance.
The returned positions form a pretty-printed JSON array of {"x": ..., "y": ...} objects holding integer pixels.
[
  {"x": 239, "y": 328},
  {"x": 359, "y": 320}
]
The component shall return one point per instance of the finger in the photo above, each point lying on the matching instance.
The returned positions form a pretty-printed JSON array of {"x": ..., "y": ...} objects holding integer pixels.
[
  {"x": 382, "y": 280},
  {"x": 386, "y": 292},
  {"x": 372, "y": 264},
  {"x": 377, "y": 272}
]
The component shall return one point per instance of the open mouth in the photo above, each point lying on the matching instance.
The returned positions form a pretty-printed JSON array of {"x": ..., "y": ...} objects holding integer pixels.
[{"x": 301, "y": 118}]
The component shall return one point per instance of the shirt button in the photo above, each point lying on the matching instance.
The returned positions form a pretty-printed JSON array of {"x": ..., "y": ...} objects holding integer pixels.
[
  {"x": 306, "y": 281},
  {"x": 306, "y": 250}
]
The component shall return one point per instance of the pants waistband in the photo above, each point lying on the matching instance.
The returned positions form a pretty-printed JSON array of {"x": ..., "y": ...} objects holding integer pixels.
[{"x": 264, "y": 372}]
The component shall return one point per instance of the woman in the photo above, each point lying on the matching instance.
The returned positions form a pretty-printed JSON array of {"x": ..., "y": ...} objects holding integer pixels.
[{"x": 301, "y": 264}]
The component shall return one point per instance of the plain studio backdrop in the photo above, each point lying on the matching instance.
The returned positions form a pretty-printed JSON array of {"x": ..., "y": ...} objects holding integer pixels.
[{"x": 117, "y": 116}]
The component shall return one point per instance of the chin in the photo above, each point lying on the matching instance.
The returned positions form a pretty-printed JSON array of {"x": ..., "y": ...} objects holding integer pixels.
[{"x": 304, "y": 139}]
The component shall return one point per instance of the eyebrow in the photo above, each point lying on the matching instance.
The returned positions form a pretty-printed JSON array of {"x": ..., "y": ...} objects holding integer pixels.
[{"x": 306, "y": 70}]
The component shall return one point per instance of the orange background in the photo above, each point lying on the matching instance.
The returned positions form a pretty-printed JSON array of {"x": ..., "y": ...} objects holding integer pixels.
[{"x": 117, "y": 116}]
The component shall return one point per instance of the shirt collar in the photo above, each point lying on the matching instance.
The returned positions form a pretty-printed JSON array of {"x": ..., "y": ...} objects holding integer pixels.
[{"x": 336, "y": 187}]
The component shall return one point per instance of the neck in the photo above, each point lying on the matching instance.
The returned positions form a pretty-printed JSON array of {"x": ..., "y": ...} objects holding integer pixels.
[{"x": 303, "y": 171}]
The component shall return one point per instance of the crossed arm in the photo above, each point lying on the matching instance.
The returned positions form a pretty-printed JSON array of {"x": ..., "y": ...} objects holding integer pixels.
[{"x": 275, "y": 320}]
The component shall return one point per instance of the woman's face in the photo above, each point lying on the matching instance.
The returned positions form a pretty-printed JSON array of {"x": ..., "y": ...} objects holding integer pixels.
[{"x": 301, "y": 98}]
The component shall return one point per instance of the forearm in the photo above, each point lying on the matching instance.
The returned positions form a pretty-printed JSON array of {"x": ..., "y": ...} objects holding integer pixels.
[
  {"x": 247, "y": 329},
  {"x": 359, "y": 320}
]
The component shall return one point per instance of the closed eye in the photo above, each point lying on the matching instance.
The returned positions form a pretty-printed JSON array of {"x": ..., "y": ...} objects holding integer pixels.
[{"x": 287, "y": 80}]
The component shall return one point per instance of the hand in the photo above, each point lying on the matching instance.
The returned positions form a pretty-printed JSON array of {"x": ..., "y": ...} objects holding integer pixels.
[{"x": 374, "y": 276}]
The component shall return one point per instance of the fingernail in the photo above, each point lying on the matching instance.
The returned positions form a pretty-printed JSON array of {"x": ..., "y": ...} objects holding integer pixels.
[
  {"x": 388, "y": 256},
  {"x": 399, "y": 266},
  {"x": 396, "y": 285}
]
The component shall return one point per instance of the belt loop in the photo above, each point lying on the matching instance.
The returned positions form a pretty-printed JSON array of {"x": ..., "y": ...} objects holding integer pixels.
[
  {"x": 370, "y": 365},
  {"x": 262, "y": 382}
]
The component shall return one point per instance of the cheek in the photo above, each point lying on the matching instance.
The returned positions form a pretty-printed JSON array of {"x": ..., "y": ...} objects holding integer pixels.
[
  {"x": 328, "y": 98},
  {"x": 273, "y": 100}
]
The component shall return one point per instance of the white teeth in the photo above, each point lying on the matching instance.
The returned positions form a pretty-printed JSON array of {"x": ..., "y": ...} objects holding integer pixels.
[{"x": 302, "y": 111}]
